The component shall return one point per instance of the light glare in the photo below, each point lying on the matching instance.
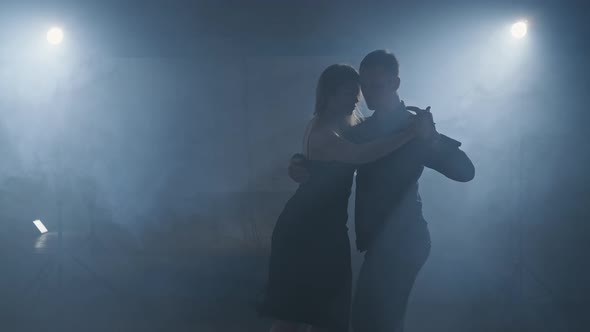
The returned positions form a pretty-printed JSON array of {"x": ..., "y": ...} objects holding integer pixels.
[
  {"x": 55, "y": 36},
  {"x": 40, "y": 226},
  {"x": 519, "y": 29}
]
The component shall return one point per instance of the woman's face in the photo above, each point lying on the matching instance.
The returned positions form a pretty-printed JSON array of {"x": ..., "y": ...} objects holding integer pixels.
[{"x": 345, "y": 99}]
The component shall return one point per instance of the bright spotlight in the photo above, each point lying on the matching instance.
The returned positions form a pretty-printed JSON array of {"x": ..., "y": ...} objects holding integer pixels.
[
  {"x": 519, "y": 29},
  {"x": 55, "y": 36},
  {"x": 40, "y": 226}
]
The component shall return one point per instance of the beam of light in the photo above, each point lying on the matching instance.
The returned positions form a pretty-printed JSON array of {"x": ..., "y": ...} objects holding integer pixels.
[
  {"x": 519, "y": 29},
  {"x": 55, "y": 36},
  {"x": 40, "y": 226}
]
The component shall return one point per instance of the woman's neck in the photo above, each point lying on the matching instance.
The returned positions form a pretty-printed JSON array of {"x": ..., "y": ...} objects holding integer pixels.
[{"x": 338, "y": 122}]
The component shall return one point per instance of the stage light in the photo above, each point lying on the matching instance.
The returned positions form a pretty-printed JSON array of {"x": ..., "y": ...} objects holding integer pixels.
[
  {"x": 519, "y": 29},
  {"x": 40, "y": 226},
  {"x": 55, "y": 36}
]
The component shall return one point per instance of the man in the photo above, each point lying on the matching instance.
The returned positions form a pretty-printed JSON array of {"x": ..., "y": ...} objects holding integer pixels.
[{"x": 389, "y": 225}]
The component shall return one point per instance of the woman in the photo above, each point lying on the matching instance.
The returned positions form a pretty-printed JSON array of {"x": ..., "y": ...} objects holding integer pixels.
[{"x": 309, "y": 281}]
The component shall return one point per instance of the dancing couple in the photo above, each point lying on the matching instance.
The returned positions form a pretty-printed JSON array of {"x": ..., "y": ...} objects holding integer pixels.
[{"x": 310, "y": 277}]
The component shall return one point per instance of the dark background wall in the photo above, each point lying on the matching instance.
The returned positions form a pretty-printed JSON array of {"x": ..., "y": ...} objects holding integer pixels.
[{"x": 168, "y": 129}]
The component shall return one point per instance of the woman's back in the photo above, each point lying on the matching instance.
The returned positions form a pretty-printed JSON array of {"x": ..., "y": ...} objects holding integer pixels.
[
  {"x": 323, "y": 199},
  {"x": 309, "y": 271}
]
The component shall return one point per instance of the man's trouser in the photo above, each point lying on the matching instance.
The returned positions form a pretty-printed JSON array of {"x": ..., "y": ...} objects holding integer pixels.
[{"x": 387, "y": 275}]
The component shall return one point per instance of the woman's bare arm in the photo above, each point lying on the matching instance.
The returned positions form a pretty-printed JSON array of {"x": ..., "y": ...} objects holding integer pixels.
[{"x": 327, "y": 145}]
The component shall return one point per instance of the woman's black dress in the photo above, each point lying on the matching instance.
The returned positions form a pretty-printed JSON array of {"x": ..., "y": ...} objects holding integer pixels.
[{"x": 310, "y": 275}]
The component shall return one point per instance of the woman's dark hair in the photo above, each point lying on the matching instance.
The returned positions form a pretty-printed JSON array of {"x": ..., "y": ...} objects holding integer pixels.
[{"x": 332, "y": 78}]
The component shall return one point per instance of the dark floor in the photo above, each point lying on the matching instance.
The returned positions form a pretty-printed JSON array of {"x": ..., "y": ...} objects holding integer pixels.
[
  {"x": 107, "y": 290},
  {"x": 122, "y": 290}
]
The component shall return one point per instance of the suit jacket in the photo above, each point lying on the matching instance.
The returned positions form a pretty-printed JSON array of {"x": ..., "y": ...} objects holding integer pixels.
[{"x": 387, "y": 189}]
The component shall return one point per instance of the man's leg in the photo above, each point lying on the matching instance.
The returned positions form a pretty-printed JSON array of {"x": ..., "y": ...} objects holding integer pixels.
[{"x": 386, "y": 280}]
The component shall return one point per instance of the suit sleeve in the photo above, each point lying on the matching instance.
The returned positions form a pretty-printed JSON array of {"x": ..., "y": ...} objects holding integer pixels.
[{"x": 446, "y": 158}]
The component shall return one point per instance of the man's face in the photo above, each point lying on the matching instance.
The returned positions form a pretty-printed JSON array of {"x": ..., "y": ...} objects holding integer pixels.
[{"x": 378, "y": 86}]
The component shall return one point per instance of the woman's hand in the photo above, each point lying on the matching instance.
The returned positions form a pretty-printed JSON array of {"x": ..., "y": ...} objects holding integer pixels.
[
  {"x": 298, "y": 170},
  {"x": 424, "y": 123}
]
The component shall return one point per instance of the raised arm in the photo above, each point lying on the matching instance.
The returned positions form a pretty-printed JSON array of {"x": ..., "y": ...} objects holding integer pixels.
[
  {"x": 445, "y": 157},
  {"x": 443, "y": 153},
  {"x": 326, "y": 145}
]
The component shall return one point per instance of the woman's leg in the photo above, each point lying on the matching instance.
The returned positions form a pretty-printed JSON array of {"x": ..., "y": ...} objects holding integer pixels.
[{"x": 284, "y": 326}]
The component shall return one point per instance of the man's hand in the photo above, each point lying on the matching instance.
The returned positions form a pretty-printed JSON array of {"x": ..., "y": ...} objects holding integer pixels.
[
  {"x": 426, "y": 128},
  {"x": 298, "y": 171},
  {"x": 445, "y": 155}
]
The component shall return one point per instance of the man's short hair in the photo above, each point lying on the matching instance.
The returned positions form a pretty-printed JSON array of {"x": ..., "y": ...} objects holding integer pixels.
[{"x": 381, "y": 58}]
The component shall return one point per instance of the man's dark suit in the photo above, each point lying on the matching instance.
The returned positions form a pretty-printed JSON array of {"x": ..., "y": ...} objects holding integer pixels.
[{"x": 389, "y": 225}]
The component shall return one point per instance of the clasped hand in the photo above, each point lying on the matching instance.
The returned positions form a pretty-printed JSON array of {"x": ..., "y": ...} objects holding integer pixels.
[{"x": 424, "y": 123}]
